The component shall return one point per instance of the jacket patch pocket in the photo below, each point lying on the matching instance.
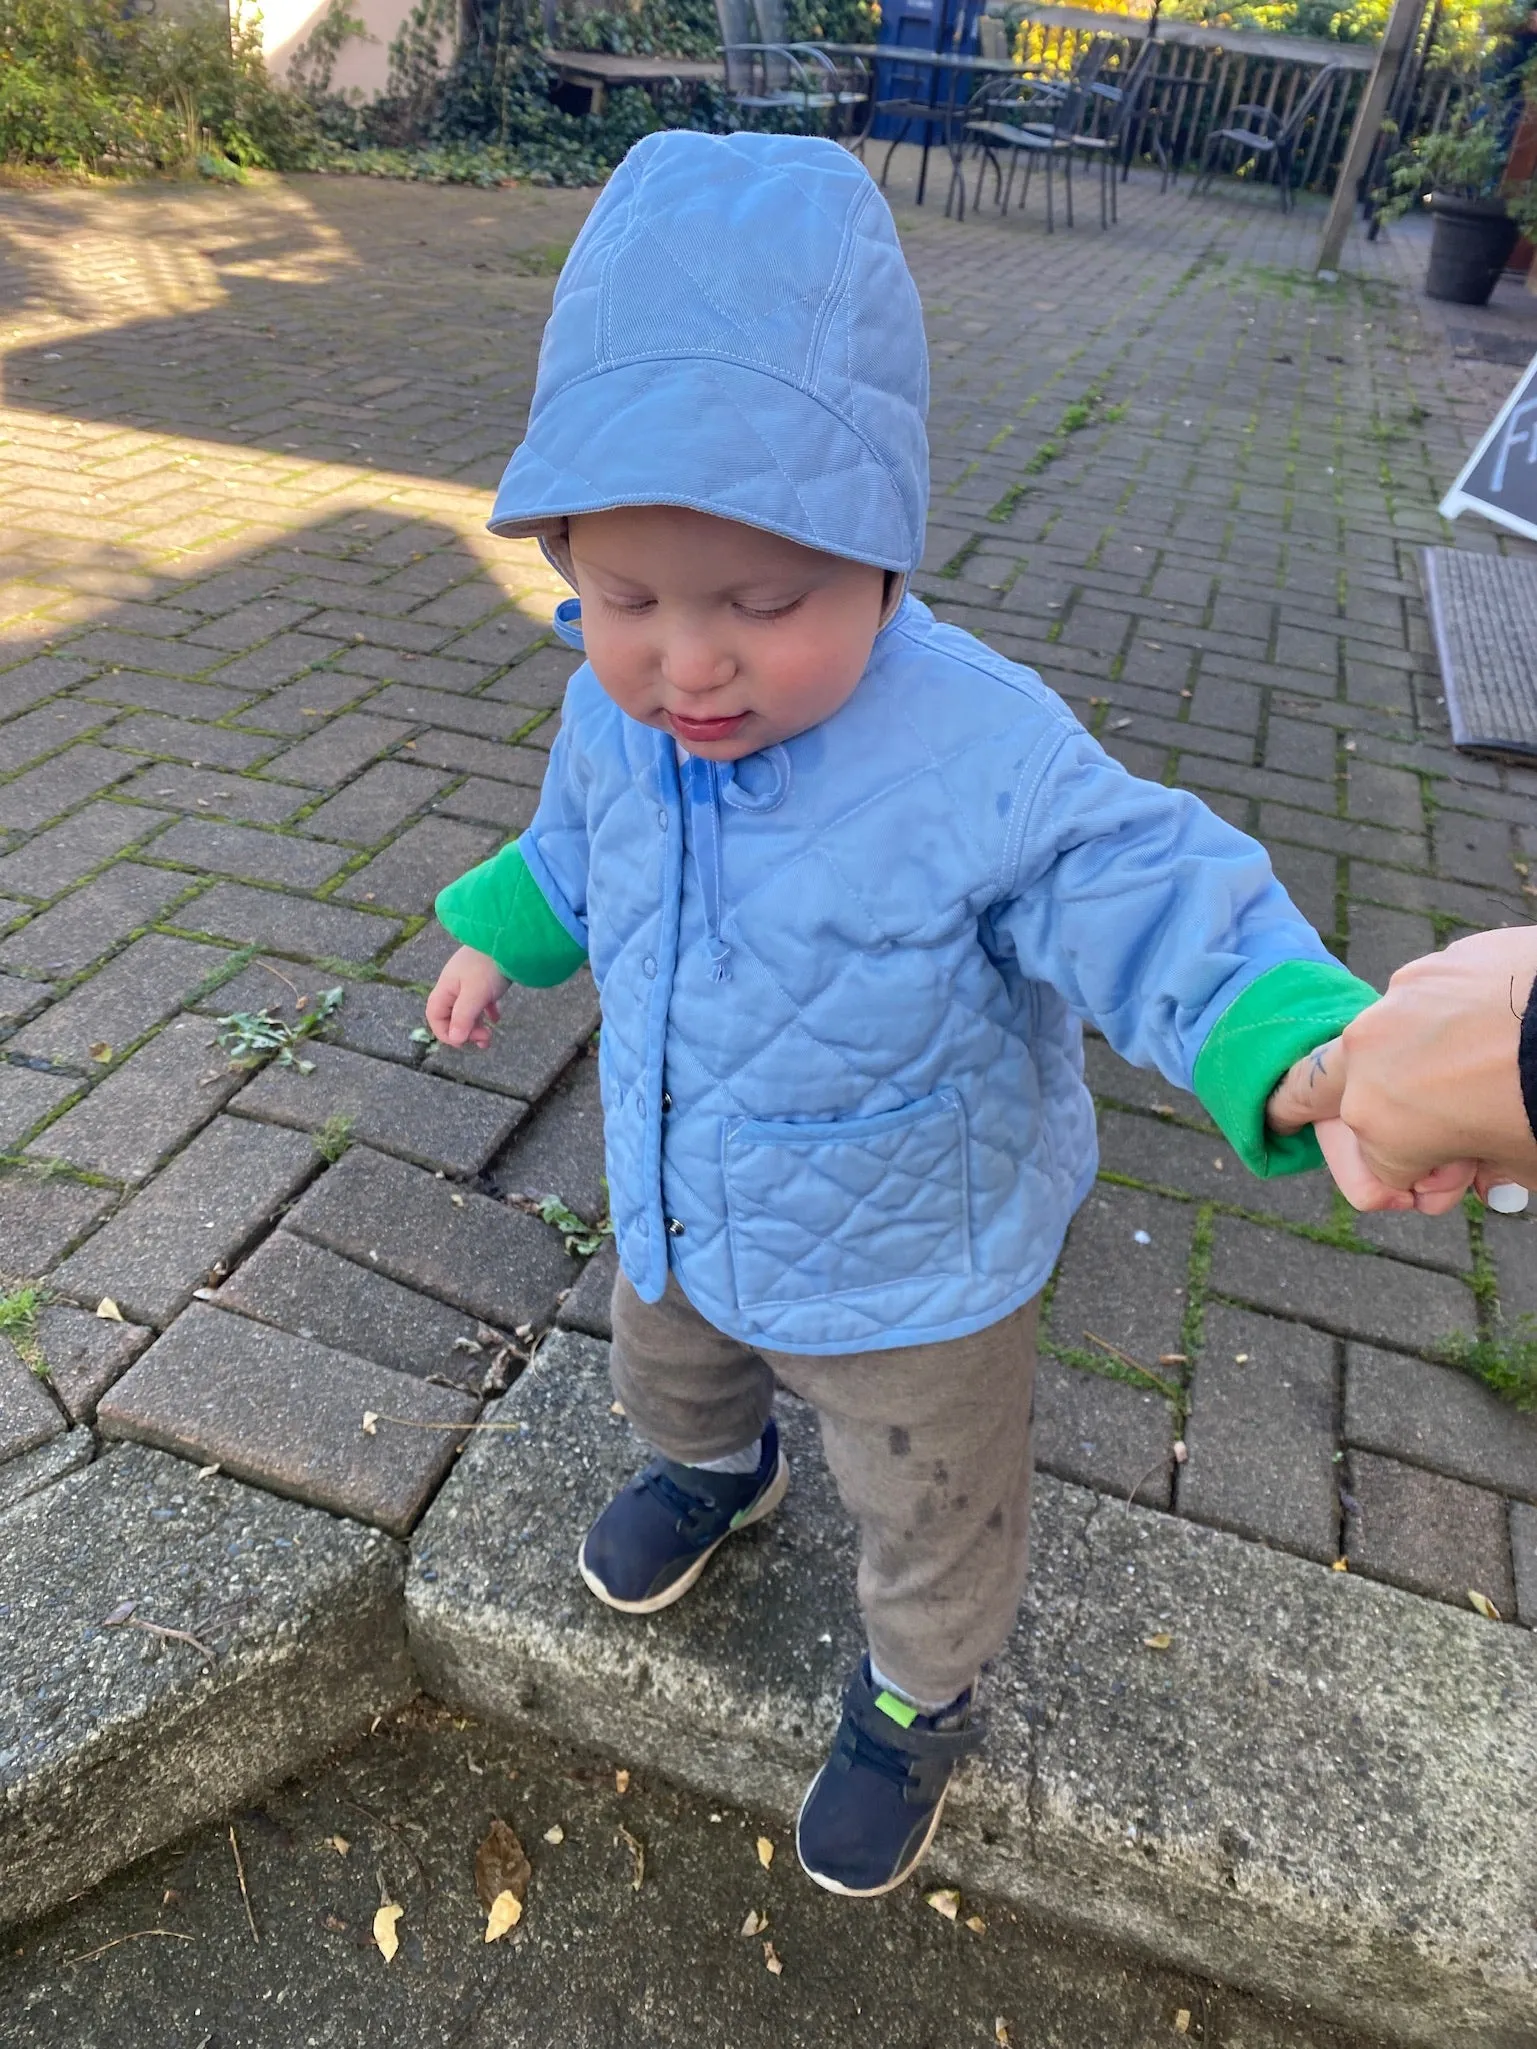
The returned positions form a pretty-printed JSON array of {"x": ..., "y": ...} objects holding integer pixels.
[{"x": 818, "y": 1210}]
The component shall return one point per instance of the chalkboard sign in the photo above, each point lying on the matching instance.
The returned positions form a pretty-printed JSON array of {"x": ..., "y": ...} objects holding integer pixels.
[{"x": 1499, "y": 478}]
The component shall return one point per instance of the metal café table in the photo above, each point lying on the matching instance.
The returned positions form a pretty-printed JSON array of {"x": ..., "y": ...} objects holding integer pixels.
[{"x": 948, "y": 65}]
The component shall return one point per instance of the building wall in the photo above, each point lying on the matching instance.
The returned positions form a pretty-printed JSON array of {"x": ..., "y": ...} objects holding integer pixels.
[{"x": 361, "y": 66}]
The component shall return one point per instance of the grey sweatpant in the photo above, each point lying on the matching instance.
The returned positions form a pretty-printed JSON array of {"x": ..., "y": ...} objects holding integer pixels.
[{"x": 929, "y": 1446}]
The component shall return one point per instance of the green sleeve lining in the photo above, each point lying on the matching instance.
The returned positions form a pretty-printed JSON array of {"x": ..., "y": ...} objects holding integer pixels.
[
  {"x": 500, "y": 910},
  {"x": 1281, "y": 1015}
]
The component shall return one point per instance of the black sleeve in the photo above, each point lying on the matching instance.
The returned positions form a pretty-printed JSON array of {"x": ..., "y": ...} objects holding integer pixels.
[{"x": 1528, "y": 1059}]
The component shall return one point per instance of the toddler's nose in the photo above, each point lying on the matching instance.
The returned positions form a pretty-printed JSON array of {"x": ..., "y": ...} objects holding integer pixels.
[{"x": 696, "y": 666}]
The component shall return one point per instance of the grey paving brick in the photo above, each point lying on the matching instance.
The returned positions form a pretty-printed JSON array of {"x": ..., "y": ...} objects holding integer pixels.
[
  {"x": 1309, "y": 879},
  {"x": 147, "y": 1107},
  {"x": 186, "y": 740},
  {"x": 421, "y": 959},
  {"x": 85, "y": 1354},
  {"x": 1117, "y": 1081},
  {"x": 283, "y": 657},
  {"x": 1165, "y": 1154},
  {"x": 290, "y": 924},
  {"x": 1424, "y": 892},
  {"x": 476, "y": 1254},
  {"x": 1355, "y": 1294},
  {"x": 1513, "y": 1244},
  {"x": 499, "y": 639},
  {"x": 43, "y": 866},
  {"x": 191, "y": 1220},
  {"x": 541, "y": 1032},
  {"x": 369, "y": 810},
  {"x": 587, "y": 1307},
  {"x": 480, "y": 717},
  {"x": 1438, "y": 1417},
  {"x": 560, "y": 1150},
  {"x": 207, "y": 793},
  {"x": 39, "y": 794},
  {"x": 427, "y": 672},
  {"x": 250, "y": 624},
  {"x": 172, "y": 695},
  {"x": 41, "y": 1216},
  {"x": 523, "y": 765},
  {"x": 1382, "y": 940},
  {"x": 25, "y": 1096},
  {"x": 84, "y": 925},
  {"x": 338, "y": 750},
  {"x": 300, "y": 708},
  {"x": 1299, "y": 747},
  {"x": 511, "y": 806},
  {"x": 47, "y": 729},
  {"x": 412, "y": 869},
  {"x": 241, "y": 850},
  {"x": 21, "y": 1478},
  {"x": 28, "y": 1414},
  {"x": 1261, "y": 1434},
  {"x": 417, "y": 1116},
  {"x": 1386, "y": 796},
  {"x": 1432, "y": 1535},
  {"x": 315, "y": 1294},
  {"x": 539, "y": 680},
  {"x": 1523, "y": 1545},
  {"x": 1475, "y": 849},
  {"x": 141, "y": 651},
  {"x": 1102, "y": 1433},
  {"x": 1114, "y": 1287},
  {"x": 1429, "y": 1241},
  {"x": 287, "y": 1413},
  {"x": 378, "y": 631},
  {"x": 120, "y": 1002},
  {"x": 29, "y": 683}
]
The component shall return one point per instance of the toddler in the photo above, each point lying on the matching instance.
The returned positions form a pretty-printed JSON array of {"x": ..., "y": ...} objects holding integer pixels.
[{"x": 847, "y": 881}]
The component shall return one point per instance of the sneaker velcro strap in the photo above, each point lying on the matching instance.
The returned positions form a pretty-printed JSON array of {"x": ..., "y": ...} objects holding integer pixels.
[{"x": 946, "y": 1746}]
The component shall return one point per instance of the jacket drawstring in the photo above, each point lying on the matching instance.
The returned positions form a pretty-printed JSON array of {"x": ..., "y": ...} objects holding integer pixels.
[{"x": 704, "y": 779}]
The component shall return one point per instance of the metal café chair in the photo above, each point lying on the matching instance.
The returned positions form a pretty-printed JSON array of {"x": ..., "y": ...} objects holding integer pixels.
[
  {"x": 1261, "y": 136},
  {"x": 764, "y": 73},
  {"x": 1121, "y": 117},
  {"x": 1038, "y": 120}
]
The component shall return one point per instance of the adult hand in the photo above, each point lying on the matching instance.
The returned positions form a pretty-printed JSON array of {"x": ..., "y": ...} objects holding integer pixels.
[{"x": 1427, "y": 1080}]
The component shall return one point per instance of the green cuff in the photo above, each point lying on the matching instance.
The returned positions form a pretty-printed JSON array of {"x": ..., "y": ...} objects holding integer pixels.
[
  {"x": 1281, "y": 1015},
  {"x": 500, "y": 910}
]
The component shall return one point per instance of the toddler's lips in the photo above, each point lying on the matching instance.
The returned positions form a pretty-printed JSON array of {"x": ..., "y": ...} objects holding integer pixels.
[{"x": 705, "y": 729}]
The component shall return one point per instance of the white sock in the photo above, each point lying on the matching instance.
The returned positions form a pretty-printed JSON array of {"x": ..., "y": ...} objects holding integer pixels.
[
  {"x": 745, "y": 1461},
  {"x": 883, "y": 1684}
]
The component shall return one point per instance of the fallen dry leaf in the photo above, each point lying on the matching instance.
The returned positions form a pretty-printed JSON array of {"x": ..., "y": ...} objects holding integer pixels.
[
  {"x": 505, "y": 1912},
  {"x": 370, "y": 1423},
  {"x": 1001, "y": 2032},
  {"x": 1483, "y": 1604},
  {"x": 336, "y": 1926},
  {"x": 637, "y": 1851},
  {"x": 457, "y": 1201},
  {"x": 556, "y": 1834},
  {"x": 976, "y": 1924},
  {"x": 501, "y": 1865},
  {"x": 755, "y": 1922},
  {"x": 946, "y": 1901},
  {"x": 340, "y": 1845},
  {"x": 621, "y": 1781},
  {"x": 771, "y": 1959},
  {"x": 384, "y": 1930},
  {"x": 1182, "y": 2021},
  {"x": 1340, "y": 1565},
  {"x": 1181, "y": 1451},
  {"x": 100, "y": 1052},
  {"x": 1160, "y": 1642},
  {"x": 108, "y": 1308},
  {"x": 765, "y": 1852}
]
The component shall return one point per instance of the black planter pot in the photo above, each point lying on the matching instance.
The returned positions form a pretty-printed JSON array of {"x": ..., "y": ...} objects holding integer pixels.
[{"x": 1470, "y": 245}]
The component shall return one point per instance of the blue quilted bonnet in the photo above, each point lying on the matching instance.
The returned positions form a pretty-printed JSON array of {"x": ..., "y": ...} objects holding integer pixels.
[
  {"x": 735, "y": 330},
  {"x": 841, "y": 979}
]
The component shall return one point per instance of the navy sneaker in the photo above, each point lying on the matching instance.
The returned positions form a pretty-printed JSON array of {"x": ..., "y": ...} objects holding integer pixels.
[
  {"x": 652, "y": 1542},
  {"x": 871, "y": 1811}
]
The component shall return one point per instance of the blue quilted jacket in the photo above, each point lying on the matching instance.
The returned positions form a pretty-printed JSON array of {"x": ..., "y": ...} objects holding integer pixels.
[{"x": 841, "y": 979}]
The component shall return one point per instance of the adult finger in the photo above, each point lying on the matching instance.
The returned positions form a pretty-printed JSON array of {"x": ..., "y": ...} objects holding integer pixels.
[
  {"x": 1312, "y": 1088},
  {"x": 1444, "y": 1187},
  {"x": 1353, "y": 1175},
  {"x": 1502, "y": 1188}
]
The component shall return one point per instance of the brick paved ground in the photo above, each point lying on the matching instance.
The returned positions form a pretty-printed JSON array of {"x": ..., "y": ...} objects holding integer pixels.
[{"x": 267, "y": 684}]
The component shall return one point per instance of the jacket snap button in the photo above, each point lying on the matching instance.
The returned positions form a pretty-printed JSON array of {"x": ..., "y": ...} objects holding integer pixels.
[
  {"x": 661, "y": 820},
  {"x": 666, "y": 1102},
  {"x": 674, "y": 1228},
  {"x": 648, "y": 968}
]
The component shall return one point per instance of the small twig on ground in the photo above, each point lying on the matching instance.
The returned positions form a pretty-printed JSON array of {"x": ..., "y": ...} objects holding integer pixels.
[
  {"x": 383, "y": 1821},
  {"x": 637, "y": 1851},
  {"x": 301, "y": 1001},
  {"x": 1141, "y": 1482},
  {"x": 133, "y": 1935},
  {"x": 240, "y": 1874},
  {"x": 1166, "y": 1386},
  {"x": 123, "y": 1615}
]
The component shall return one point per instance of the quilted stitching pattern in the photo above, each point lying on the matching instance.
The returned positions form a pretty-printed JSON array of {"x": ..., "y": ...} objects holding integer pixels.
[{"x": 955, "y": 868}]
